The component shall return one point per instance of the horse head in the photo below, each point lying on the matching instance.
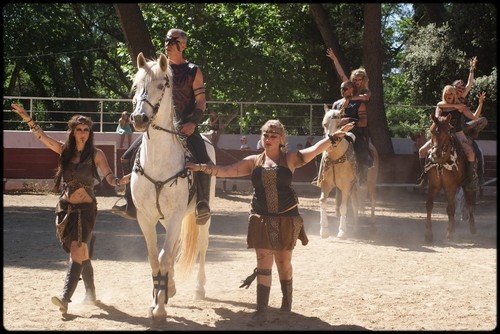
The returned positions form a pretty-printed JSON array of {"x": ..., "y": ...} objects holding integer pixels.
[
  {"x": 150, "y": 83},
  {"x": 441, "y": 138},
  {"x": 331, "y": 120}
]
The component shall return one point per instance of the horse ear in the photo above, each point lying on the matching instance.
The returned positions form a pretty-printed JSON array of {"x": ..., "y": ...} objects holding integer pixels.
[
  {"x": 447, "y": 118},
  {"x": 434, "y": 118},
  {"x": 163, "y": 61},
  {"x": 326, "y": 108},
  {"x": 141, "y": 61}
]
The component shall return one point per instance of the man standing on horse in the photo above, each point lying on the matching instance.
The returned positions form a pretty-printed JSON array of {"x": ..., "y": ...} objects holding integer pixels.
[{"x": 189, "y": 104}]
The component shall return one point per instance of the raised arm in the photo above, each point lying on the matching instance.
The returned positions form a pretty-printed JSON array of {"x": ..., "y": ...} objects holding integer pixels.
[
  {"x": 48, "y": 141},
  {"x": 470, "y": 79},
  {"x": 238, "y": 169},
  {"x": 466, "y": 111},
  {"x": 340, "y": 71}
]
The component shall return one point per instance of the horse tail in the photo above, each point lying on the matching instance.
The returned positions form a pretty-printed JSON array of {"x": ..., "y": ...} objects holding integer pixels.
[{"x": 189, "y": 244}]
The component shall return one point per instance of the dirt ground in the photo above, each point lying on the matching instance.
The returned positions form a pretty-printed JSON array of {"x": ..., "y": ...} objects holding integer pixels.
[{"x": 382, "y": 278}]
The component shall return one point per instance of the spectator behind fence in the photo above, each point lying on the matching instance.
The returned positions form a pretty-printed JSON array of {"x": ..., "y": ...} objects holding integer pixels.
[
  {"x": 124, "y": 128},
  {"x": 244, "y": 143}
]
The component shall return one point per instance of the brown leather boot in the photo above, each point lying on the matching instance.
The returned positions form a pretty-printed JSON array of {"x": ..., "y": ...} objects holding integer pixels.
[
  {"x": 260, "y": 316},
  {"x": 88, "y": 281},
  {"x": 72, "y": 278},
  {"x": 287, "y": 290}
]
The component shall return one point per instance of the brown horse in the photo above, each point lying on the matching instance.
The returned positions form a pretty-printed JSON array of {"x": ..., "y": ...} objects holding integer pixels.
[{"x": 446, "y": 170}]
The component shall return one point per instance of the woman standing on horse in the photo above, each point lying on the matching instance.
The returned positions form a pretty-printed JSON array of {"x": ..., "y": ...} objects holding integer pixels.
[
  {"x": 274, "y": 223},
  {"x": 77, "y": 207}
]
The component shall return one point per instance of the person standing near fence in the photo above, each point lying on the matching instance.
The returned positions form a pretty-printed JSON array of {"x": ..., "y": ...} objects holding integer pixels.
[
  {"x": 274, "y": 223},
  {"x": 124, "y": 128},
  {"x": 76, "y": 210}
]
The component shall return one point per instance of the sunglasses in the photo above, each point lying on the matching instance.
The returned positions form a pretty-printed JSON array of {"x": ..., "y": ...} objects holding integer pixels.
[
  {"x": 82, "y": 130},
  {"x": 270, "y": 136},
  {"x": 171, "y": 40}
]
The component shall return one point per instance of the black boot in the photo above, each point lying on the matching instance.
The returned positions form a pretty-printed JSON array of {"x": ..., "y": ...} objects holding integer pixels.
[
  {"x": 72, "y": 278},
  {"x": 422, "y": 180},
  {"x": 203, "y": 198},
  {"x": 471, "y": 177},
  {"x": 127, "y": 210},
  {"x": 287, "y": 290},
  {"x": 260, "y": 317},
  {"x": 88, "y": 281}
]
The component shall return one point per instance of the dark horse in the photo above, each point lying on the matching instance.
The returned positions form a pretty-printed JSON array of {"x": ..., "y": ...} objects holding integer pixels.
[{"x": 446, "y": 170}]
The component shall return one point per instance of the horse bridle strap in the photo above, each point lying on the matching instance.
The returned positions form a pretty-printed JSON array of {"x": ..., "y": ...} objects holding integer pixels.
[{"x": 159, "y": 184}]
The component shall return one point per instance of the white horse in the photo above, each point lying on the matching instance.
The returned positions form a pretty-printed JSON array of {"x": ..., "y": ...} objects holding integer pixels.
[
  {"x": 160, "y": 187},
  {"x": 338, "y": 169}
]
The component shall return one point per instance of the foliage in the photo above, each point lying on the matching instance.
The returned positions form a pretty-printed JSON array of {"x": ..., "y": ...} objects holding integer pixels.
[{"x": 254, "y": 52}]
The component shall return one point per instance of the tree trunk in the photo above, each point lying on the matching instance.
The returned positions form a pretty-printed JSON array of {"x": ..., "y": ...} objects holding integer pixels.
[
  {"x": 135, "y": 31},
  {"x": 372, "y": 58},
  {"x": 320, "y": 17},
  {"x": 435, "y": 13}
]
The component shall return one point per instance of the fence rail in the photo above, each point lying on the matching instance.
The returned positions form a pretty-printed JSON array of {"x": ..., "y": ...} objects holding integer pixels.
[{"x": 298, "y": 118}]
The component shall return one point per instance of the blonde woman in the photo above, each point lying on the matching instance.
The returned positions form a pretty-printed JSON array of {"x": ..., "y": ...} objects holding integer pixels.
[{"x": 274, "y": 223}]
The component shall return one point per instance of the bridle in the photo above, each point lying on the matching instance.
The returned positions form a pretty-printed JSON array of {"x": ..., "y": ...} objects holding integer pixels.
[{"x": 155, "y": 107}]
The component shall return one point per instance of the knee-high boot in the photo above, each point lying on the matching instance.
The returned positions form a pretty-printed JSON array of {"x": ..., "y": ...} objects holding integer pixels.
[
  {"x": 203, "y": 198},
  {"x": 422, "y": 180},
  {"x": 471, "y": 177},
  {"x": 127, "y": 210},
  {"x": 260, "y": 317},
  {"x": 287, "y": 290},
  {"x": 88, "y": 281},
  {"x": 72, "y": 278}
]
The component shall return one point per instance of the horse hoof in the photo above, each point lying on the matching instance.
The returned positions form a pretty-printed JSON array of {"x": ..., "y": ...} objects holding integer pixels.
[
  {"x": 473, "y": 230},
  {"x": 324, "y": 232},
  {"x": 341, "y": 235},
  {"x": 429, "y": 238}
]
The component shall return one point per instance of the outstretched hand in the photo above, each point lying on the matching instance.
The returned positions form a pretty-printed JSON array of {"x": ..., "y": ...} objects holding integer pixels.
[
  {"x": 192, "y": 166},
  {"x": 473, "y": 62},
  {"x": 481, "y": 96},
  {"x": 18, "y": 109},
  {"x": 330, "y": 54}
]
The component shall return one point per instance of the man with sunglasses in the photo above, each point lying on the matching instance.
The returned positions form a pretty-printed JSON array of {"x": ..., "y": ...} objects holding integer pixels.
[{"x": 189, "y": 105}]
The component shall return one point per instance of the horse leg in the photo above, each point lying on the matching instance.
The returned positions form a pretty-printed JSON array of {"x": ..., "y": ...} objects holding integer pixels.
[
  {"x": 338, "y": 200},
  {"x": 459, "y": 206},
  {"x": 432, "y": 192},
  {"x": 470, "y": 200},
  {"x": 324, "y": 232},
  {"x": 355, "y": 205},
  {"x": 362, "y": 194},
  {"x": 202, "y": 247},
  {"x": 343, "y": 213},
  {"x": 159, "y": 278},
  {"x": 450, "y": 210}
]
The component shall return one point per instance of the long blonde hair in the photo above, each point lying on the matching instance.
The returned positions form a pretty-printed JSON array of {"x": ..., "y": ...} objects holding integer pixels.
[{"x": 450, "y": 89}]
